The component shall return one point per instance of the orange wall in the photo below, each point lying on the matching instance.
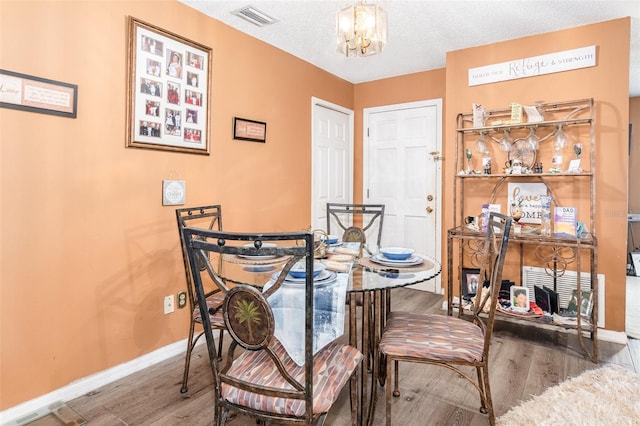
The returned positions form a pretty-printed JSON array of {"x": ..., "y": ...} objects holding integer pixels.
[
  {"x": 607, "y": 83},
  {"x": 88, "y": 250}
]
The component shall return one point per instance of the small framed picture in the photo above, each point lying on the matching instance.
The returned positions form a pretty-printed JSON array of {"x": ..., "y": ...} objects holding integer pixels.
[
  {"x": 249, "y": 130},
  {"x": 635, "y": 260},
  {"x": 519, "y": 298},
  {"x": 470, "y": 281}
]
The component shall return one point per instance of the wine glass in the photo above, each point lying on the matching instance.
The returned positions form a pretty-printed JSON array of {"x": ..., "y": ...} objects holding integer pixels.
[
  {"x": 467, "y": 154},
  {"x": 532, "y": 139},
  {"x": 577, "y": 149},
  {"x": 505, "y": 142},
  {"x": 561, "y": 139},
  {"x": 481, "y": 143}
]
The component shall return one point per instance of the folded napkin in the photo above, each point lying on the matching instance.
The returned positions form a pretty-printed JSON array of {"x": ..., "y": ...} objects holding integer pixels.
[
  {"x": 342, "y": 257},
  {"x": 336, "y": 266},
  {"x": 342, "y": 250}
]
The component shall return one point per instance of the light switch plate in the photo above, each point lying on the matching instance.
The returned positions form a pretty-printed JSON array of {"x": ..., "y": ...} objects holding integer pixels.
[{"x": 173, "y": 192}]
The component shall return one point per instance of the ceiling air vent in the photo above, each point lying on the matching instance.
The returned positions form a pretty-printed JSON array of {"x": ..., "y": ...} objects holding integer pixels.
[{"x": 255, "y": 16}]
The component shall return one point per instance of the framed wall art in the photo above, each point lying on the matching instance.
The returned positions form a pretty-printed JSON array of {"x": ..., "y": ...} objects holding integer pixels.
[
  {"x": 249, "y": 130},
  {"x": 168, "y": 91},
  {"x": 35, "y": 94}
]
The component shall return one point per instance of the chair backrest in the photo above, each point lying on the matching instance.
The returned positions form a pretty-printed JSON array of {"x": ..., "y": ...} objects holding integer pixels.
[
  {"x": 368, "y": 217},
  {"x": 493, "y": 256},
  {"x": 205, "y": 217},
  {"x": 249, "y": 318}
]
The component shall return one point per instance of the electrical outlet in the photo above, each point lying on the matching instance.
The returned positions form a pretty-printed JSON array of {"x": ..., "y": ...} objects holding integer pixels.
[
  {"x": 182, "y": 299},
  {"x": 169, "y": 304}
]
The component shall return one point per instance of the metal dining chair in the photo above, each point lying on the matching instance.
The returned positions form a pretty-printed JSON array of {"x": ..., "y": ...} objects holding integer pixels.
[
  {"x": 264, "y": 381},
  {"x": 449, "y": 341},
  {"x": 368, "y": 217},
  {"x": 207, "y": 217}
]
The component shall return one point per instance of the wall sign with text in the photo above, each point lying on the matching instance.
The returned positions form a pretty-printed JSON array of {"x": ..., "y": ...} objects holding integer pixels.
[
  {"x": 35, "y": 94},
  {"x": 566, "y": 60}
]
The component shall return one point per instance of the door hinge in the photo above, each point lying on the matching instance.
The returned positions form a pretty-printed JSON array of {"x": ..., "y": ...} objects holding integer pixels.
[{"x": 367, "y": 132}]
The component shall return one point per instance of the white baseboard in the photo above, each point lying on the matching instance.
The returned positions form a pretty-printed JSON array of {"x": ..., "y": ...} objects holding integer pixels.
[
  {"x": 619, "y": 337},
  {"x": 94, "y": 381}
]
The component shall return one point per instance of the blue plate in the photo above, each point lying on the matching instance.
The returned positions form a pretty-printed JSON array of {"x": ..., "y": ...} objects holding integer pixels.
[
  {"x": 299, "y": 269},
  {"x": 396, "y": 253}
]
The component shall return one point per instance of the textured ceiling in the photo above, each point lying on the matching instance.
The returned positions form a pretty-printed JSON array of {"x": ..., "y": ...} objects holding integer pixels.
[{"x": 420, "y": 32}]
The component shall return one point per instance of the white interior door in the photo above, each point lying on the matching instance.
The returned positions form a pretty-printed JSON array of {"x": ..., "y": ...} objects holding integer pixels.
[
  {"x": 332, "y": 158},
  {"x": 402, "y": 170}
]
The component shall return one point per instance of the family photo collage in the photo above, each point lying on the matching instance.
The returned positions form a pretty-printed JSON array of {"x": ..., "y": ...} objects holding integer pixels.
[{"x": 170, "y": 92}]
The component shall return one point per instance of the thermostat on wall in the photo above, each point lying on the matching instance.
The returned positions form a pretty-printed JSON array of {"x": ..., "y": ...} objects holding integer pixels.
[{"x": 173, "y": 192}]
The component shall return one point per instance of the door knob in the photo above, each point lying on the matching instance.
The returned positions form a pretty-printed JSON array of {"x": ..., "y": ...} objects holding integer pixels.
[
  {"x": 429, "y": 197},
  {"x": 429, "y": 209},
  {"x": 435, "y": 155}
]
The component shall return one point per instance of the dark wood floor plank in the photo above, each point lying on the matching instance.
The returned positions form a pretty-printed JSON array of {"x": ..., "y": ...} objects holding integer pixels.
[{"x": 524, "y": 361}]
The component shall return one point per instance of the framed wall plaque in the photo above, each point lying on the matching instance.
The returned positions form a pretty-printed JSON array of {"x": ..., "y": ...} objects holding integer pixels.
[
  {"x": 249, "y": 130},
  {"x": 35, "y": 94},
  {"x": 168, "y": 91}
]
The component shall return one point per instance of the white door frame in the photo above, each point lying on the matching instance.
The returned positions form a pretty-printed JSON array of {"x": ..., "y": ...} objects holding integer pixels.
[
  {"x": 438, "y": 196},
  {"x": 326, "y": 104}
]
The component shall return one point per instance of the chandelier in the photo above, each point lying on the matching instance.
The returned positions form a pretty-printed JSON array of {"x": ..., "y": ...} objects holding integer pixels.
[{"x": 361, "y": 29}]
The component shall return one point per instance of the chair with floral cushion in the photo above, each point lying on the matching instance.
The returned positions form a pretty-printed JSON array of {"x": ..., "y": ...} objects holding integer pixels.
[
  {"x": 265, "y": 381},
  {"x": 448, "y": 341},
  {"x": 207, "y": 217}
]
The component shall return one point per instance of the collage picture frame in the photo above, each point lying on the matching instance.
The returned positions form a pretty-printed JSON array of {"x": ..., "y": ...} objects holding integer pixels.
[{"x": 168, "y": 90}]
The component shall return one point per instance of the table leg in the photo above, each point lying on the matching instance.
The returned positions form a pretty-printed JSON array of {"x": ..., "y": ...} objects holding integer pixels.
[
  {"x": 377, "y": 310},
  {"x": 366, "y": 336},
  {"x": 356, "y": 404}
]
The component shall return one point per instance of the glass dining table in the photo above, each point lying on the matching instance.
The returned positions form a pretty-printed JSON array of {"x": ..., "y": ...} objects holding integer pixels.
[{"x": 368, "y": 302}]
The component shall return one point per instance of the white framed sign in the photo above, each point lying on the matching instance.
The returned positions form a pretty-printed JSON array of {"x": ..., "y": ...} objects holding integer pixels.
[
  {"x": 527, "y": 196},
  {"x": 566, "y": 60}
]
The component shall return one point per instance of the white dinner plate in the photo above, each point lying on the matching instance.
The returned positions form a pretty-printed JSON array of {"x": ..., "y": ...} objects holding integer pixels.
[{"x": 412, "y": 261}]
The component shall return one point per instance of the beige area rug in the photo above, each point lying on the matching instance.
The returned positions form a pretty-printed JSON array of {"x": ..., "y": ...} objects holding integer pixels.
[{"x": 604, "y": 396}]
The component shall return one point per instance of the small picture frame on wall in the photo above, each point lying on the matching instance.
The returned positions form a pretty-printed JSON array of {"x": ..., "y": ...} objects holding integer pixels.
[
  {"x": 168, "y": 91},
  {"x": 249, "y": 130}
]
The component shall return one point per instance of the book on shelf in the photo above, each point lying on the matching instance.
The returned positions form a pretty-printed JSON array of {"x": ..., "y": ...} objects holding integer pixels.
[
  {"x": 486, "y": 209},
  {"x": 565, "y": 220},
  {"x": 546, "y": 298}
]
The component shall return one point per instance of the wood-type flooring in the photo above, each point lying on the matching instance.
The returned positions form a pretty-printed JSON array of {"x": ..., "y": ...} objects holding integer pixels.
[{"x": 525, "y": 361}]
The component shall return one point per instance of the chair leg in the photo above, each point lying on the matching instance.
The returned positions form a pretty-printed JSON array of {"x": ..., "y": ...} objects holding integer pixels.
[
  {"x": 487, "y": 395},
  {"x": 388, "y": 390},
  {"x": 396, "y": 391},
  {"x": 220, "y": 345},
  {"x": 353, "y": 400},
  {"x": 483, "y": 390},
  {"x": 187, "y": 359}
]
